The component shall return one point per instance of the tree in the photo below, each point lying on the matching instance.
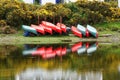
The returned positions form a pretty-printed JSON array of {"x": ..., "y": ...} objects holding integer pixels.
[
  {"x": 62, "y": 12},
  {"x": 43, "y": 13}
]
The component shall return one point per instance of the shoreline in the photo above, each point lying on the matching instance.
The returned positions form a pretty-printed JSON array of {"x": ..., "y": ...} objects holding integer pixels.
[{"x": 19, "y": 39}]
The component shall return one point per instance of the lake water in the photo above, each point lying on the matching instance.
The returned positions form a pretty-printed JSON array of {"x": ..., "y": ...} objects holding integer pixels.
[{"x": 74, "y": 61}]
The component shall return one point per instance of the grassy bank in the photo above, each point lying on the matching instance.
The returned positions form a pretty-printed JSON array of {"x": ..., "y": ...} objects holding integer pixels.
[
  {"x": 108, "y": 27},
  {"x": 20, "y": 39},
  {"x": 111, "y": 28}
]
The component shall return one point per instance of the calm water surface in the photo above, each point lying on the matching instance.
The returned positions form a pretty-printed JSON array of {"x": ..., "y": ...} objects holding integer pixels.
[{"x": 76, "y": 61}]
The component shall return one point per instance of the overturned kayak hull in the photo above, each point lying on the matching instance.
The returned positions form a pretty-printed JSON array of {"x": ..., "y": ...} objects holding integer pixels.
[
  {"x": 76, "y": 46},
  {"x": 39, "y": 29},
  {"x": 49, "y": 53},
  {"x": 52, "y": 26},
  {"x": 62, "y": 26},
  {"x": 46, "y": 29},
  {"x": 81, "y": 50},
  {"x": 76, "y": 32},
  {"x": 92, "y": 48},
  {"x": 29, "y": 29},
  {"x": 83, "y": 30},
  {"x": 92, "y": 31},
  {"x": 39, "y": 51},
  {"x": 87, "y": 33}
]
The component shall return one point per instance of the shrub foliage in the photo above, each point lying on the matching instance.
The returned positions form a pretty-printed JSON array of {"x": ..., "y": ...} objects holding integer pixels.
[{"x": 16, "y": 13}]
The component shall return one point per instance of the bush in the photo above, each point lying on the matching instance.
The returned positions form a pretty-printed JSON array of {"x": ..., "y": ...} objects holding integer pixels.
[
  {"x": 94, "y": 17},
  {"x": 16, "y": 13},
  {"x": 83, "y": 15},
  {"x": 78, "y": 17},
  {"x": 115, "y": 14},
  {"x": 8, "y": 30},
  {"x": 100, "y": 8},
  {"x": 3, "y": 23}
]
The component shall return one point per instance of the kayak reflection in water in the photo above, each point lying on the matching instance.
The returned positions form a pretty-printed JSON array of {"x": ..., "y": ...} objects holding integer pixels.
[{"x": 51, "y": 51}]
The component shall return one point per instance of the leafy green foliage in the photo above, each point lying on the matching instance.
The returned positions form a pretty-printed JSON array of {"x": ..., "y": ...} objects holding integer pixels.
[{"x": 15, "y": 13}]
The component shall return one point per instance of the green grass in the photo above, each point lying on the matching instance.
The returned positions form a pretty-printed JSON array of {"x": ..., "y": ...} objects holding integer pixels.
[
  {"x": 18, "y": 38},
  {"x": 108, "y": 26},
  {"x": 107, "y": 32}
]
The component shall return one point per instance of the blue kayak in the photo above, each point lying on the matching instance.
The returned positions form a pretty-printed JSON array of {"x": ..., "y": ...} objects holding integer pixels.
[
  {"x": 92, "y": 31},
  {"x": 82, "y": 29},
  {"x": 92, "y": 48},
  {"x": 82, "y": 49}
]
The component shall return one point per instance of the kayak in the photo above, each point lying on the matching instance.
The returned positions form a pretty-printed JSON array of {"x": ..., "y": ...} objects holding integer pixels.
[
  {"x": 81, "y": 50},
  {"x": 64, "y": 51},
  {"x": 76, "y": 32},
  {"x": 87, "y": 45},
  {"x": 87, "y": 33},
  {"x": 50, "y": 53},
  {"x": 92, "y": 48},
  {"x": 39, "y": 29},
  {"x": 62, "y": 26},
  {"x": 92, "y": 31},
  {"x": 46, "y": 29},
  {"x": 59, "y": 30},
  {"x": 61, "y": 51},
  {"x": 39, "y": 51},
  {"x": 29, "y": 29},
  {"x": 49, "y": 50},
  {"x": 68, "y": 29},
  {"x": 48, "y": 24},
  {"x": 58, "y": 51},
  {"x": 76, "y": 46},
  {"x": 83, "y": 30},
  {"x": 29, "y": 51},
  {"x": 26, "y": 33},
  {"x": 52, "y": 26}
]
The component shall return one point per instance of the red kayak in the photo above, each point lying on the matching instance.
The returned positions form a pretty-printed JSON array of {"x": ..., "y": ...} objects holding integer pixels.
[
  {"x": 87, "y": 45},
  {"x": 76, "y": 32},
  {"x": 58, "y": 51},
  {"x": 39, "y": 51},
  {"x": 50, "y": 53},
  {"x": 64, "y": 51},
  {"x": 52, "y": 26},
  {"x": 39, "y": 29},
  {"x": 76, "y": 46},
  {"x": 87, "y": 33},
  {"x": 62, "y": 26},
  {"x": 61, "y": 51},
  {"x": 59, "y": 29},
  {"x": 47, "y": 29},
  {"x": 49, "y": 50}
]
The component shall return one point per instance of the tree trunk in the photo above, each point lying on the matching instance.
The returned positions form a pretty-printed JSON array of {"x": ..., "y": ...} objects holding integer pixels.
[
  {"x": 38, "y": 19},
  {"x": 45, "y": 18},
  {"x": 53, "y": 20},
  {"x": 60, "y": 19}
]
